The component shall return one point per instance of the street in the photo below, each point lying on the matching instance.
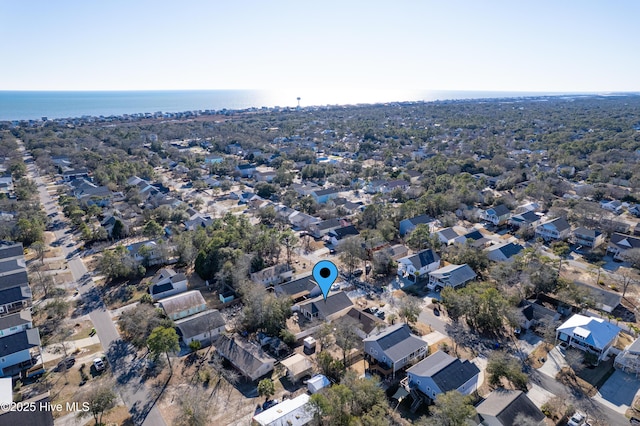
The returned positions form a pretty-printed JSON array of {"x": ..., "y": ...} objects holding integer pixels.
[{"x": 133, "y": 392}]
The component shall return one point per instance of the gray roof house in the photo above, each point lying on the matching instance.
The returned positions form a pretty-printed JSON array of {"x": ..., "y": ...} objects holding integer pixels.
[
  {"x": 620, "y": 243},
  {"x": 451, "y": 276},
  {"x": 498, "y": 215},
  {"x": 408, "y": 225},
  {"x": 247, "y": 357},
  {"x": 555, "y": 229},
  {"x": 184, "y": 304},
  {"x": 589, "y": 238},
  {"x": 448, "y": 236},
  {"x": 419, "y": 264},
  {"x": 503, "y": 252},
  {"x": 439, "y": 373},
  {"x": 273, "y": 275},
  {"x": 525, "y": 220},
  {"x": 501, "y": 407},
  {"x": 300, "y": 288},
  {"x": 393, "y": 349},
  {"x": 167, "y": 282},
  {"x": 203, "y": 327},
  {"x": 335, "y": 306}
]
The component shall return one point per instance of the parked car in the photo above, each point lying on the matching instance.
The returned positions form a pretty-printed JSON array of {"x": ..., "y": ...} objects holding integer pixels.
[
  {"x": 269, "y": 404},
  {"x": 578, "y": 419},
  {"x": 68, "y": 363},
  {"x": 98, "y": 363}
]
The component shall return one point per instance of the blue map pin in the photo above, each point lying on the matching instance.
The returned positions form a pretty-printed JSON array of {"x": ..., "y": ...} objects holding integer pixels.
[{"x": 325, "y": 274}]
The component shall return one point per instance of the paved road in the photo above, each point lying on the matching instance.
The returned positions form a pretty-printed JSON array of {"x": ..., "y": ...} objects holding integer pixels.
[{"x": 120, "y": 355}]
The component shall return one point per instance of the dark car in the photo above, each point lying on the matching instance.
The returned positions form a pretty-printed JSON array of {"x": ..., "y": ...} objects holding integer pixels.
[
  {"x": 358, "y": 272},
  {"x": 269, "y": 404},
  {"x": 68, "y": 363},
  {"x": 436, "y": 312}
]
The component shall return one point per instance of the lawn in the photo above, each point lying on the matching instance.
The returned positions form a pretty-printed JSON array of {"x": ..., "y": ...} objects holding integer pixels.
[{"x": 597, "y": 375}]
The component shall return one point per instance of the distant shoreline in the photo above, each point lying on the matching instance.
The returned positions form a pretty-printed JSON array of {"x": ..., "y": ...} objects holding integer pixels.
[{"x": 61, "y": 105}]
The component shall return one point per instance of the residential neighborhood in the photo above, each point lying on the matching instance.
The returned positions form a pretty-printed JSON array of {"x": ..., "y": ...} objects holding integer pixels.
[{"x": 172, "y": 258}]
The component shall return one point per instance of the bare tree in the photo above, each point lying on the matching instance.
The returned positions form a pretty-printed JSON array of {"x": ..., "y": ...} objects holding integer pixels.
[
  {"x": 195, "y": 409},
  {"x": 625, "y": 277}
]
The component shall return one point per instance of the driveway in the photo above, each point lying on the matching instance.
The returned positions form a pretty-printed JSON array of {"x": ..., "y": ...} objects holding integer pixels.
[
  {"x": 554, "y": 363},
  {"x": 619, "y": 391}
]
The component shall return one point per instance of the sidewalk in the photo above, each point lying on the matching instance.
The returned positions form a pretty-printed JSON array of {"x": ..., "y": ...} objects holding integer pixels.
[{"x": 55, "y": 352}]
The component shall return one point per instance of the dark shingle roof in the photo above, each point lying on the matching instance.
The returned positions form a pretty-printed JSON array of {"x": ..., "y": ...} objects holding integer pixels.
[
  {"x": 14, "y": 280},
  {"x": 511, "y": 249},
  {"x": 424, "y": 258},
  {"x": 19, "y": 342},
  {"x": 454, "y": 375},
  {"x": 505, "y": 405},
  {"x": 15, "y": 320},
  {"x": 9, "y": 249},
  {"x": 397, "y": 342},
  {"x": 200, "y": 323},
  {"x": 345, "y": 231},
  {"x": 14, "y": 294},
  {"x": 335, "y": 302},
  {"x": 246, "y": 357},
  {"x": 500, "y": 210},
  {"x": 293, "y": 288}
]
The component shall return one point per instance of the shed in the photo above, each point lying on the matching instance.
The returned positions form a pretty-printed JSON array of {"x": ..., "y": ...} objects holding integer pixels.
[
  {"x": 317, "y": 382},
  {"x": 297, "y": 367}
]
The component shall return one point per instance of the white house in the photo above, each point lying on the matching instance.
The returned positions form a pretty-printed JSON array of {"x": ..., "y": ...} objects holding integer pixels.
[
  {"x": 440, "y": 373},
  {"x": 497, "y": 215},
  {"x": 167, "y": 282},
  {"x": 184, "y": 304},
  {"x": 589, "y": 238},
  {"x": 418, "y": 265},
  {"x": 555, "y": 229},
  {"x": 503, "y": 252},
  {"x": 247, "y": 357},
  {"x": 290, "y": 412},
  {"x": 620, "y": 243},
  {"x": 203, "y": 327},
  {"x": 589, "y": 334},
  {"x": 273, "y": 275}
]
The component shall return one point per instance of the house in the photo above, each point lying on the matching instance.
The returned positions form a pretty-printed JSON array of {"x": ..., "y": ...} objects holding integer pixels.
[
  {"x": 203, "y": 327},
  {"x": 634, "y": 210},
  {"x": 503, "y": 252},
  {"x": 40, "y": 415},
  {"x": 335, "y": 306},
  {"x": 449, "y": 236},
  {"x": 555, "y": 229},
  {"x": 72, "y": 174},
  {"x": 299, "y": 289},
  {"x": 15, "y": 351},
  {"x": 109, "y": 223},
  {"x": 337, "y": 236},
  {"x": 365, "y": 324},
  {"x": 527, "y": 220},
  {"x": 393, "y": 349},
  {"x": 589, "y": 238},
  {"x": 16, "y": 323},
  {"x": 297, "y": 366},
  {"x": 184, "y": 304},
  {"x": 167, "y": 282},
  {"x": 535, "y": 314},
  {"x": 604, "y": 300},
  {"x": 246, "y": 170},
  {"x": 290, "y": 412},
  {"x": 147, "y": 252},
  {"x": 474, "y": 238},
  {"x": 321, "y": 196},
  {"x": 301, "y": 220},
  {"x": 439, "y": 373},
  {"x": 502, "y": 406},
  {"x": 248, "y": 358},
  {"x": 418, "y": 265},
  {"x": 197, "y": 221},
  {"x": 408, "y": 225},
  {"x": 589, "y": 334},
  {"x": 264, "y": 174},
  {"x": 613, "y": 206},
  {"x": 498, "y": 215},
  {"x": 14, "y": 299},
  {"x": 451, "y": 276},
  {"x": 273, "y": 275},
  {"x": 629, "y": 359},
  {"x": 394, "y": 184},
  {"x": 620, "y": 243},
  {"x": 396, "y": 252},
  {"x": 320, "y": 229}
]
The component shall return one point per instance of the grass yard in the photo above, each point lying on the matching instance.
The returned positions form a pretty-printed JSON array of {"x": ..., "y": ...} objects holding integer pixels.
[{"x": 539, "y": 353}]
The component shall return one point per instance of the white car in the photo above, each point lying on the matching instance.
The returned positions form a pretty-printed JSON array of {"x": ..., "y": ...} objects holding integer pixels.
[
  {"x": 98, "y": 363},
  {"x": 578, "y": 419}
]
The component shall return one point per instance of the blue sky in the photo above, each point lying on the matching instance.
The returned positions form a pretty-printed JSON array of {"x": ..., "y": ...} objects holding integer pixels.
[{"x": 561, "y": 46}]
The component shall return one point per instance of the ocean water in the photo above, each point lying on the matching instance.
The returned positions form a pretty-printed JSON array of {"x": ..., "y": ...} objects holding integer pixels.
[{"x": 33, "y": 105}]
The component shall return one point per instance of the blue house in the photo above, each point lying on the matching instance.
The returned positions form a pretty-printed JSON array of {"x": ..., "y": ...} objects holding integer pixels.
[{"x": 15, "y": 351}]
